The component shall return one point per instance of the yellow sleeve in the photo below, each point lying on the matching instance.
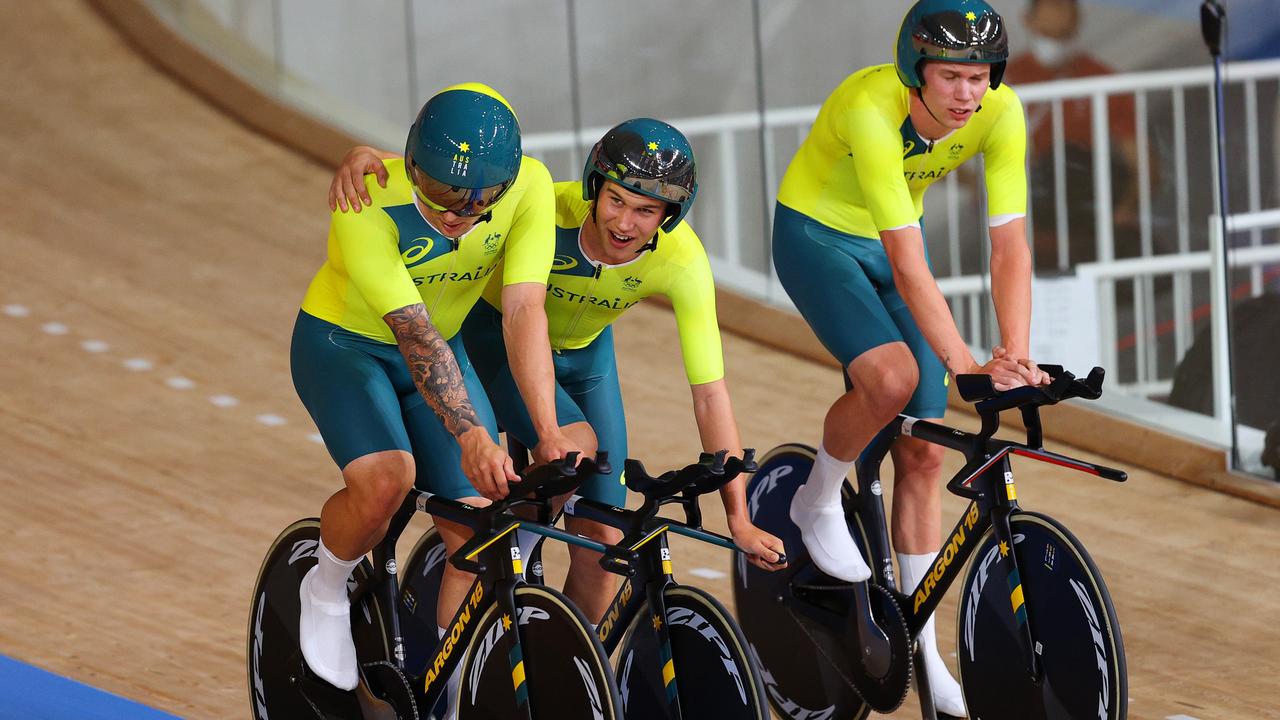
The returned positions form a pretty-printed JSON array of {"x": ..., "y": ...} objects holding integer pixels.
[
  {"x": 1004, "y": 152},
  {"x": 531, "y": 242},
  {"x": 370, "y": 249},
  {"x": 693, "y": 298},
  {"x": 876, "y": 147}
]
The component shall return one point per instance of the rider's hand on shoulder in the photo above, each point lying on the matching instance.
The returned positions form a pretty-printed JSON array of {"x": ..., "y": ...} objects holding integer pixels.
[
  {"x": 486, "y": 464},
  {"x": 554, "y": 446},
  {"x": 763, "y": 550},
  {"x": 347, "y": 188}
]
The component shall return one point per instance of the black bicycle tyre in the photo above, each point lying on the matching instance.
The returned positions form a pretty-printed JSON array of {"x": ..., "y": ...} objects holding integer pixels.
[
  {"x": 272, "y": 658},
  {"x": 800, "y": 679},
  {"x": 713, "y": 670},
  {"x": 557, "y": 647},
  {"x": 1071, "y": 614}
]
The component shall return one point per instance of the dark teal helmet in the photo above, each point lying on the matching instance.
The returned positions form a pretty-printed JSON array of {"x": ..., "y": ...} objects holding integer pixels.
[
  {"x": 649, "y": 157},
  {"x": 961, "y": 31},
  {"x": 463, "y": 151}
]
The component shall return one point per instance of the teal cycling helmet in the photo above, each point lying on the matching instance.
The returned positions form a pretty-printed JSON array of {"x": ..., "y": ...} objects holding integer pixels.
[
  {"x": 961, "y": 31},
  {"x": 649, "y": 157},
  {"x": 463, "y": 151}
]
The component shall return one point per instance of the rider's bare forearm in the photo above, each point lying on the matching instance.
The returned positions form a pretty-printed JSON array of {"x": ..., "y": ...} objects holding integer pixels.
[
  {"x": 718, "y": 431},
  {"x": 433, "y": 368},
  {"x": 1011, "y": 286},
  {"x": 919, "y": 290},
  {"x": 524, "y": 330}
]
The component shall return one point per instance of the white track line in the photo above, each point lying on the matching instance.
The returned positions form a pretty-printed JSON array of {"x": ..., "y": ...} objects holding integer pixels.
[
  {"x": 706, "y": 573},
  {"x": 139, "y": 364}
]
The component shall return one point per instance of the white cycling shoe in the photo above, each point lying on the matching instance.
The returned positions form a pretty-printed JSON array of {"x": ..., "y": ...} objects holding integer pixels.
[
  {"x": 826, "y": 537},
  {"x": 947, "y": 697},
  {"x": 324, "y": 633}
]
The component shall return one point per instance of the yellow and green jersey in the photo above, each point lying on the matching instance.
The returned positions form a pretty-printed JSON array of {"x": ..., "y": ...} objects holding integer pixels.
[
  {"x": 584, "y": 296},
  {"x": 864, "y": 168},
  {"x": 388, "y": 256}
]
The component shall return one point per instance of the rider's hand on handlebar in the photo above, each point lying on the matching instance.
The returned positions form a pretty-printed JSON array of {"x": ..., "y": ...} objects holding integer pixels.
[
  {"x": 763, "y": 550},
  {"x": 1037, "y": 377},
  {"x": 347, "y": 187},
  {"x": 1006, "y": 373},
  {"x": 486, "y": 464},
  {"x": 554, "y": 446}
]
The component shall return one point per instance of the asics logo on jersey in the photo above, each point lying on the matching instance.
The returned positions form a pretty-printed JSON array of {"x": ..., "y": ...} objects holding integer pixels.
[
  {"x": 631, "y": 282},
  {"x": 418, "y": 252},
  {"x": 564, "y": 262}
]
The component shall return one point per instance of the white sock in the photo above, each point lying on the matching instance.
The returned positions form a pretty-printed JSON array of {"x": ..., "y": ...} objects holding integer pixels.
[
  {"x": 826, "y": 479},
  {"x": 330, "y": 581},
  {"x": 947, "y": 696}
]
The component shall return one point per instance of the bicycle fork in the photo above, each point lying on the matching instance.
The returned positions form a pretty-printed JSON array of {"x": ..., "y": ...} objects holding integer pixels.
[{"x": 1000, "y": 515}]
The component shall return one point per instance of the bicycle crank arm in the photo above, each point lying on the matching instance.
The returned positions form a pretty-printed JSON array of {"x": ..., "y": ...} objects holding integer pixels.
[
  {"x": 373, "y": 708},
  {"x": 875, "y": 652}
]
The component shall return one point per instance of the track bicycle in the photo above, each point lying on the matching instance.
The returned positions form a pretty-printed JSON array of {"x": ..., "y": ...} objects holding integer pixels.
[
  {"x": 681, "y": 655},
  {"x": 522, "y": 651},
  {"x": 1037, "y": 632}
]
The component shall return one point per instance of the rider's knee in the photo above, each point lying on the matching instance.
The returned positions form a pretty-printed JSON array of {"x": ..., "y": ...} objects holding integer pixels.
[
  {"x": 381, "y": 486},
  {"x": 585, "y": 437},
  {"x": 890, "y": 388}
]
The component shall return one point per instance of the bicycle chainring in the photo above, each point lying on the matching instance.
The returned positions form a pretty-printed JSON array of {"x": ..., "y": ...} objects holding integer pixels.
[
  {"x": 885, "y": 694},
  {"x": 384, "y": 693}
]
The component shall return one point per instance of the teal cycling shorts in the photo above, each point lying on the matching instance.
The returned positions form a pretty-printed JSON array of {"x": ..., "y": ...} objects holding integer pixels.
[
  {"x": 361, "y": 397},
  {"x": 843, "y": 286},
  {"x": 586, "y": 389}
]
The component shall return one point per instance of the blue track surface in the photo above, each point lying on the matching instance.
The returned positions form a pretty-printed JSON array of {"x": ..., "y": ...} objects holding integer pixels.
[{"x": 29, "y": 693}]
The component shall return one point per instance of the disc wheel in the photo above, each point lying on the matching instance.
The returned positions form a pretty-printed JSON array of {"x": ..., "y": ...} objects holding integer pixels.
[
  {"x": 707, "y": 665},
  {"x": 559, "y": 666},
  {"x": 274, "y": 659},
  {"x": 805, "y": 665},
  {"x": 1071, "y": 617}
]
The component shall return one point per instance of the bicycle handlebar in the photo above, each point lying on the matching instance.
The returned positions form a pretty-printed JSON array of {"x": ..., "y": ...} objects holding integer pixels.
[
  {"x": 979, "y": 389},
  {"x": 537, "y": 486},
  {"x": 711, "y": 472}
]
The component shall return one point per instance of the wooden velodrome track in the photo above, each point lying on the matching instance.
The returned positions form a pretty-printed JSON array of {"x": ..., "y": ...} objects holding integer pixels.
[{"x": 152, "y": 256}]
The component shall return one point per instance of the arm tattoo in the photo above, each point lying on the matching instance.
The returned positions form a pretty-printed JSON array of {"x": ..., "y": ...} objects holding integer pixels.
[{"x": 433, "y": 368}]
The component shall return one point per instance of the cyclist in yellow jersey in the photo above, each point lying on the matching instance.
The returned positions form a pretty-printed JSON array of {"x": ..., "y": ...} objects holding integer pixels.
[
  {"x": 848, "y": 247},
  {"x": 620, "y": 238},
  {"x": 377, "y": 360}
]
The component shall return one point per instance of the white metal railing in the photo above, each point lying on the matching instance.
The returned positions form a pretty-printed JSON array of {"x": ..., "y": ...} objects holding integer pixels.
[{"x": 726, "y": 138}]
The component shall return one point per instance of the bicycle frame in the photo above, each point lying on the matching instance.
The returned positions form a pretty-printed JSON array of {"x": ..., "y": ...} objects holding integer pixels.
[
  {"x": 653, "y": 572},
  {"x": 495, "y": 583},
  {"x": 987, "y": 481}
]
